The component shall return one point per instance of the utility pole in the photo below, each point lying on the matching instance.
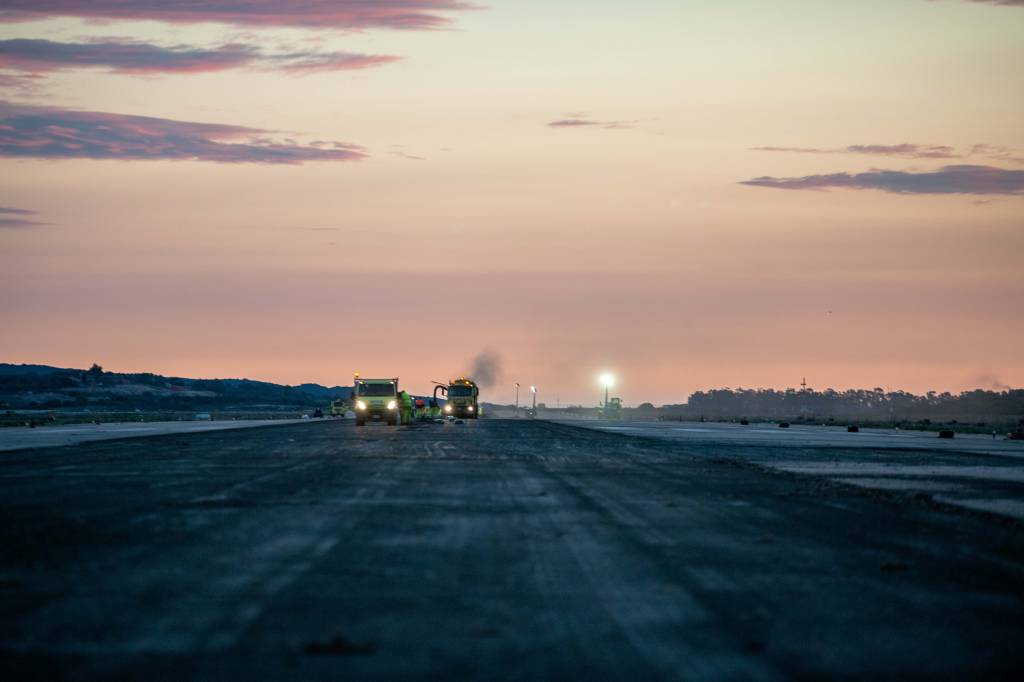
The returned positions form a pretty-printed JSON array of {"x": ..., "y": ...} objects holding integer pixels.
[{"x": 803, "y": 397}]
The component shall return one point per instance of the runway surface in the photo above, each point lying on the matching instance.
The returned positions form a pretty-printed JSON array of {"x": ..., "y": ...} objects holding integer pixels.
[
  {"x": 970, "y": 471},
  {"x": 21, "y": 437},
  {"x": 800, "y": 435},
  {"x": 487, "y": 550}
]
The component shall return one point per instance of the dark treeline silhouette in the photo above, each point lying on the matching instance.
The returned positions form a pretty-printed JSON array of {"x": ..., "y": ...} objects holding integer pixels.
[
  {"x": 39, "y": 386},
  {"x": 874, "y": 405}
]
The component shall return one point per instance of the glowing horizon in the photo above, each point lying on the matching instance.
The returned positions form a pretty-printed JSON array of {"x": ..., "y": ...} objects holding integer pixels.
[{"x": 697, "y": 195}]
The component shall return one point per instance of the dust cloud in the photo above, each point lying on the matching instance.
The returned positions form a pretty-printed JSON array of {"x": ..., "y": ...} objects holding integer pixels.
[{"x": 486, "y": 368}]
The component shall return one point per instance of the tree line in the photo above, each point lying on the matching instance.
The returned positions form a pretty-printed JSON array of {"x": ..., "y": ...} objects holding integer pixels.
[{"x": 857, "y": 404}]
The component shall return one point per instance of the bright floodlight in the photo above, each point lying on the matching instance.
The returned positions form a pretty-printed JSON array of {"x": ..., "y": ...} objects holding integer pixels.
[
  {"x": 533, "y": 388},
  {"x": 607, "y": 380}
]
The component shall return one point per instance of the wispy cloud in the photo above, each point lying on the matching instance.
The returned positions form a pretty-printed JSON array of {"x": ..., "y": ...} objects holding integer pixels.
[
  {"x": 581, "y": 121},
  {"x": 1007, "y": 3},
  {"x": 17, "y": 218},
  {"x": 963, "y": 179},
  {"x": 137, "y": 58},
  {"x": 909, "y": 151},
  {"x": 57, "y": 133},
  {"x": 913, "y": 151},
  {"x": 122, "y": 57},
  {"x": 572, "y": 123},
  {"x": 316, "y": 62},
  {"x": 25, "y": 83},
  {"x": 997, "y": 152},
  {"x": 337, "y": 14}
]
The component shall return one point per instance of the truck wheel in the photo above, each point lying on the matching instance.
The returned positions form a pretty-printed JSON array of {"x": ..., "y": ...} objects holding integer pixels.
[
  {"x": 360, "y": 422},
  {"x": 392, "y": 422}
]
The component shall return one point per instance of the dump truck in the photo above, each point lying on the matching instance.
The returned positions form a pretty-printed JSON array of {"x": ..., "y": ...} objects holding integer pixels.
[
  {"x": 375, "y": 399},
  {"x": 462, "y": 395}
]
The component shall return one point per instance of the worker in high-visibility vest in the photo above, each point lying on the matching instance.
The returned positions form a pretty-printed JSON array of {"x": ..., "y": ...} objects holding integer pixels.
[
  {"x": 405, "y": 403},
  {"x": 435, "y": 409}
]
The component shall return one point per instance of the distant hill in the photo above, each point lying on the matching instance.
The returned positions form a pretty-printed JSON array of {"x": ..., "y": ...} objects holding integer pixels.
[
  {"x": 42, "y": 386},
  {"x": 8, "y": 369}
]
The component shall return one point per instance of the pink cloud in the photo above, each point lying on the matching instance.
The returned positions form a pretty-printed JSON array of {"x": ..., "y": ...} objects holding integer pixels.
[
  {"x": 338, "y": 14},
  {"x": 129, "y": 57},
  {"x": 589, "y": 123},
  {"x": 57, "y": 133},
  {"x": 17, "y": 218},
  {"x": 963, "y": 179},
  {"x": 913, "y": 151},
  {"x": 910, "y": 151},
  {"x": 25, "y": 83},
  {"x": 318, "y": 62}
]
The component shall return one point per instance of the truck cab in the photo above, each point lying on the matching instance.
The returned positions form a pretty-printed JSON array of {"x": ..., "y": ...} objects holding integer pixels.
[
  {"x": 375, "y": 399},
  {"x": 463, "y": 398}
]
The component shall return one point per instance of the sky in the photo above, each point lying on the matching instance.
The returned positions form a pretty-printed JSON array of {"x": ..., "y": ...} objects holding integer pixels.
[{"x": 691, "y": 195}]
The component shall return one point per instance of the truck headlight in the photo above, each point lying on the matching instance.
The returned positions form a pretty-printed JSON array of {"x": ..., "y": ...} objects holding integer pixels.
[
  {"x": 392, "y": 405},
  {"x": 447, "y": 408},
  {"x": 360, "y": 405},
  {"x": 470, "y": 408}
]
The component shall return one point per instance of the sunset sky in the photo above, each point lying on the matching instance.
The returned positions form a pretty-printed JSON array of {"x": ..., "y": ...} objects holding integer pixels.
[{"x": 691, "y": 194}]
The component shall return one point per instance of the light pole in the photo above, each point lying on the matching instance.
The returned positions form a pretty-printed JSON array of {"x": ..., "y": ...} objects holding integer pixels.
[
  {"x": 608, "y": 380},
  {"x": 517, "y": 398},
  {"x": 533, "y": 389}
]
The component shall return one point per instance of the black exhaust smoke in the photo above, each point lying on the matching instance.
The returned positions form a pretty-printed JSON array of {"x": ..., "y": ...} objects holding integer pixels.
[{"x": 486, "y": 368}]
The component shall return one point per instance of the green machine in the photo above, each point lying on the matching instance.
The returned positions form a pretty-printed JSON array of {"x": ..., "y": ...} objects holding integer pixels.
[{"x": 612, "y": 409}]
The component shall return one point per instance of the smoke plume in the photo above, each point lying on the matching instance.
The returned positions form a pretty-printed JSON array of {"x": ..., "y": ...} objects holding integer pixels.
[
  {"x": 486, "y": 368},
  {"x": 987, "y": 381}
]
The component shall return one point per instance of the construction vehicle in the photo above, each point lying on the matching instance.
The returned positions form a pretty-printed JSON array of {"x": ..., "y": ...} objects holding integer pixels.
[
  {"x": 612, "y": 409},
  {"x": 462, "y": 395},
  {"x": 375, "y": 399},
  {"x": 338, "y": 408}
]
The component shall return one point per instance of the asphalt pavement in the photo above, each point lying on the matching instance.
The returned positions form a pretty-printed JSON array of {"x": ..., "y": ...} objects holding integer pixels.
[
  {"x": 809, "y": 435},
  {"x": 487, "y": 550},
  {"x": 45, "y": 436},
  {"x": 971, "y": 471}
]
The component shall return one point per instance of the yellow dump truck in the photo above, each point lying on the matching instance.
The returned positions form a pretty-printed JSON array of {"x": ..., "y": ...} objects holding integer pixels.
[
  {"x": 375, "y": 399},
  {"x": 463, "y": 398}
]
